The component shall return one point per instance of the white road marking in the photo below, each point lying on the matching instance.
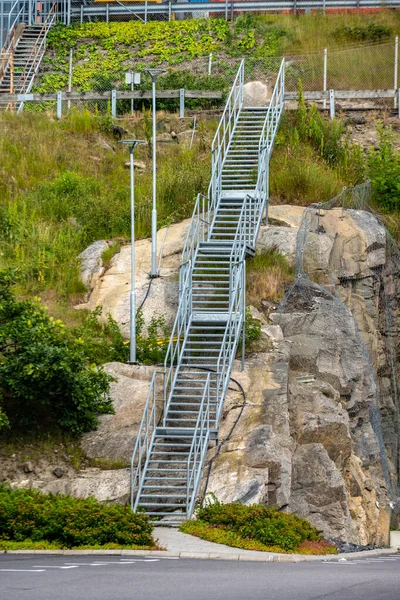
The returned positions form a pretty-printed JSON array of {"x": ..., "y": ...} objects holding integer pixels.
[
  {"x": 54, "y": 567},
  {"x": 23, "y": 570}
]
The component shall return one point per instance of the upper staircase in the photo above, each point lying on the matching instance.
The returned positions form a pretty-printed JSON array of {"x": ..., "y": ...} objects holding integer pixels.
[
  {"x": 185, "y": 400},
  {"x": 21, "y": 57}
]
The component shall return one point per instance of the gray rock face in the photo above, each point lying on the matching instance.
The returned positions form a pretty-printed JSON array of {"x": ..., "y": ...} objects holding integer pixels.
[
  {"x": 115, "y": 436},
  {"x": 91, "y": 262},
  {"x": 105, "y": 486},
  {"x": 327, "y": 465}
]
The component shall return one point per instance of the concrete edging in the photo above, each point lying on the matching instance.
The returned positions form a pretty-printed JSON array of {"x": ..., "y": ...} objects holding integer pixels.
[{"x": 257, "y": 556}]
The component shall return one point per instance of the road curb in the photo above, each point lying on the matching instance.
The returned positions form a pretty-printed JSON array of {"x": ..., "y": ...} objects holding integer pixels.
[{"x": 256, "y": 557}]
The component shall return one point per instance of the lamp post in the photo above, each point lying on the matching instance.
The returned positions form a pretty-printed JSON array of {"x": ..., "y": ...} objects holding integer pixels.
[
  {"x": 154, "y": 73},
  {"x": 131, "y": 144}
]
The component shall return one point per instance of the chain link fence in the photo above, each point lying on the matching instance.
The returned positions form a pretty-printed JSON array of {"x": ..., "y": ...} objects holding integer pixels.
[{"x": 88, "y": 67}]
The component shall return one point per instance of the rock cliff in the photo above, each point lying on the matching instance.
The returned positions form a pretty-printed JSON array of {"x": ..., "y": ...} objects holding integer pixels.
[{"x": 318, "y": 433}]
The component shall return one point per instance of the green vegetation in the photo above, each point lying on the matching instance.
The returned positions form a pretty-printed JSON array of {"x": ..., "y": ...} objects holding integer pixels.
[
  {"x": 49, "y": 374},
  {"x": 103, "y": 52},
  {"x": 267, "y": 276},
  {"x": 257, "y": 527},
  {"x": 48, "y": 378},
  {"x": 28, "y": 518},
  {"x": 64, "y": 185}
]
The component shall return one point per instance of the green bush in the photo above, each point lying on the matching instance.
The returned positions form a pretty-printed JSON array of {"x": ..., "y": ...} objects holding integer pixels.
[
  {"x": 48, "y": 373},
  {"x": 373, "y": 32},
  {"x": 31, "y": 515},
  {"x": 384, "y": 172},
  {"x": 263, "y": 524}
]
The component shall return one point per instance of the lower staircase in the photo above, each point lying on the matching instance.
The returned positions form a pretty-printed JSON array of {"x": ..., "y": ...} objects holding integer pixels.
[
  {"x": 173, "y": 441},
  {"x": 22, "y": 55}
]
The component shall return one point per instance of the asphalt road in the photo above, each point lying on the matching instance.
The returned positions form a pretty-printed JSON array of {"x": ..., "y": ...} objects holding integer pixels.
[{"x": 38, "y": 577}]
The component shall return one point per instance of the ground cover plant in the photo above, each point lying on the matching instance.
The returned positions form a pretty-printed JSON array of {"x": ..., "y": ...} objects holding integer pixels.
[
  {"x": 257, "y": 527},
  {"x": 103, "y": 52},
  {"x": 29, "y": 518},
  {"x": 267, "y": 275}
]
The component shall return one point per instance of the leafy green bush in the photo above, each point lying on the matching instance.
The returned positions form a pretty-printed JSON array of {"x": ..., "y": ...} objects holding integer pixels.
[
  {"x": 31, "y": 515},
  {"x": 263, "y": 524},
  {"x": 374, "y": 32},
  {"x": 47, "y": 372},
  {"x": 384, "y": 172}
]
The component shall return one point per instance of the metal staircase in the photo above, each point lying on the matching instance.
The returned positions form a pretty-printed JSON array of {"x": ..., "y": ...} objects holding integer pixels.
[
  {"x": 185, "y": 400},
  {"x": 21, "y": 57}
]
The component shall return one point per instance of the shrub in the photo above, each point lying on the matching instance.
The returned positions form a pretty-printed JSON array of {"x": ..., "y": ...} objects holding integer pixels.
[
  {"x": 48, "y": 376},
  {"x": 34, "y": 516},
  {"x": 384, "y": 172},
  {"x": 373, "y": 32},
  {"x": 263, "y": 524}
]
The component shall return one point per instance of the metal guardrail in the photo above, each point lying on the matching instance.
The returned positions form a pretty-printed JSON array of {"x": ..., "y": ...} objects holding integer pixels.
[
  {"x": 144, "y": 438},
  {"x": 223, "y": 135},
  {"x": 83, "y": 12},
  {"x": 198, "y": 450}
]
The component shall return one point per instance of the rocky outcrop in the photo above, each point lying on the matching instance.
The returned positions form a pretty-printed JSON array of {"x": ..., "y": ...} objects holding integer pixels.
[
  {"x": 110, "y": 288},
  {"x": 307, "y": 438},
  {"x": 325, "y": 428},
  {"x": 92, "y": 263},
  {"x": 115, "y": 435},
  {"x": 109, "y": 485}
]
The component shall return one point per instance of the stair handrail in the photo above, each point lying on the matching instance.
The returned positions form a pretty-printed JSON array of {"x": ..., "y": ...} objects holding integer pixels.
[
  {"x": 144, "y": 439},
  {"x": 7, "y": 51},
  {"x": 198, "y": 450},
  {"x": 181, "y": 326},
  {"x": 267, "y": 138},
  {"x": 26, "y": 78},
  {"x": 223, "y": 135},
  {"x": 198, "y": 228},
  {"x": 233, "y": 330}
]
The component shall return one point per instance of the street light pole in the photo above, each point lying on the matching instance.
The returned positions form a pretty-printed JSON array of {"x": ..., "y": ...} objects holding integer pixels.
[
  {"x": 131, "y": 144},
  {"x": 154, "y": 73}
]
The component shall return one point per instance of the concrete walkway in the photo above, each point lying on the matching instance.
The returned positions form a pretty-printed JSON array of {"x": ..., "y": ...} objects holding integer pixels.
[{"x": 189, "y": 546}]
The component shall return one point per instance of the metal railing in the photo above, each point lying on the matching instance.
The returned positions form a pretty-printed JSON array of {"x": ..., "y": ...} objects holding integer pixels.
[
  {"x": 223, "y": 135},
  {"x": 198, "y": 450},
  {"x": 145, "y": 437},
  {"x": 7, "y": 52},
  {"x": 26, "y": 78},
  {"x": 200, "y": 231},
  {"x": 199, "y": 228},
  {"x": 179, "y": 331}
]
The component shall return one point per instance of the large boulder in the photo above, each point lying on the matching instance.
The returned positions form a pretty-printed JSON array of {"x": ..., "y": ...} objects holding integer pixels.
[
  {"x": 113, "y": 287},
  {"x": 255, "y": 93}
]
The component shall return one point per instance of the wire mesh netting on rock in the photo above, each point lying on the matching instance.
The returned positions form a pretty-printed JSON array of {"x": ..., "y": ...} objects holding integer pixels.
[{"x": 341, "y": 318}]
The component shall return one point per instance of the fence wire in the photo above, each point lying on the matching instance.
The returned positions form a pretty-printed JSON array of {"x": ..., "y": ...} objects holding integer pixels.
[{"x": 356, "y": 306}]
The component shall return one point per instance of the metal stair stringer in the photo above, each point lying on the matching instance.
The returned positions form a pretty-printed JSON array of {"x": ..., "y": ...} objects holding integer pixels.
[{"x": 183, "y": 411}]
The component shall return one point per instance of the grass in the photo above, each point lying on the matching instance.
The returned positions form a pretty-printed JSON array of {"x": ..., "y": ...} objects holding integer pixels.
[
  {"x": 63, "y": 185},
  {"x": 267, "y": 276},
  {"x": 218, "y": 535}
]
